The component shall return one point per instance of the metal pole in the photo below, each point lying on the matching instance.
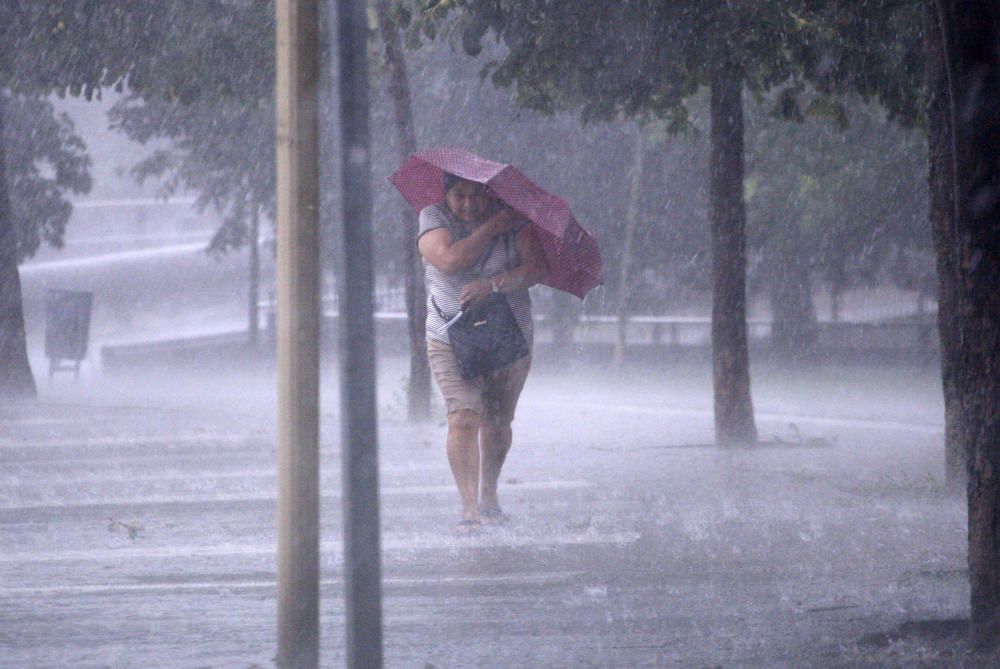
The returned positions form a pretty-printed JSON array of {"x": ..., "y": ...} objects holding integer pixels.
[
  {"x": 362, "y": 562},
  {"x": 298, "y": 333}
]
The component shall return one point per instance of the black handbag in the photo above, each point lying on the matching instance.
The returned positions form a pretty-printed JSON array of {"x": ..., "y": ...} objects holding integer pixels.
[{"x": 486, "y": 337}]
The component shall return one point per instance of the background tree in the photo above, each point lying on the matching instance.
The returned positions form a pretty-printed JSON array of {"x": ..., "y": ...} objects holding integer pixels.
[
  {"x": 893, "y": 51},
  {"x": 419, "y": 383},
  {"x": 43, "y": 161},
  {"x": 651, "y": 57},
  {"x": 221, "y": 150},
  {"x": 734, "y": 421},
  {"x": 941, "y": 183},
  {"x": 220, "y": 145},
  {"x": 217, "y": 117},
  {"x": 628, "y": 244},
  {"x": 971, "y": 33},
  {"x": 65, "y": 46},
  {"x": 837, "y": 198},
  {"x": 164, "y": 50}
]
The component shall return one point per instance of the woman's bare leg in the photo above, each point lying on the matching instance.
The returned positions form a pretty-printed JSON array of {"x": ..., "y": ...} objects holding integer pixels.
[
  {"x": 463, "y": 456},
  {"x": 495, "y": 439},
  {"x": 495, "y": 434}
]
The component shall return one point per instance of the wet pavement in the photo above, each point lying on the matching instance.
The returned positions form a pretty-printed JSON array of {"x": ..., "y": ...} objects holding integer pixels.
[{"x": 133, "y": 536}]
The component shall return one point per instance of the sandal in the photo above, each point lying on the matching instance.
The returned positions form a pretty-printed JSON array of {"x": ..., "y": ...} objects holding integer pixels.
[
  {"x": 494, "y": 516},
  {"x": 467, "y": 527}
]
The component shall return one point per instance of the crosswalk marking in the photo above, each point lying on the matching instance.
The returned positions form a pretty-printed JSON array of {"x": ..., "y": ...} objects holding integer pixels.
[
  {"x": 132, "y": 440},
  {"x": 330, "y": 548},
  {"x": 211, "y": 497},
  {"x": 919, "y": 428},
  {"x": 250, "y": 473},
  {"x": 532, "y": 578},
  {"x": 24, "y": 421}
]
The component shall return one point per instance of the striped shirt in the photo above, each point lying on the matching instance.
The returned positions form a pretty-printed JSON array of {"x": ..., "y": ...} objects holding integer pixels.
[{"x": 444, "y": 290}]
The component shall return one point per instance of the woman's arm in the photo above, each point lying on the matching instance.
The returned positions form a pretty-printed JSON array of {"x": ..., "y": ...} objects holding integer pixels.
[
  {"x": 532, "y": 270},
  {"x": 450, "y": 256}
]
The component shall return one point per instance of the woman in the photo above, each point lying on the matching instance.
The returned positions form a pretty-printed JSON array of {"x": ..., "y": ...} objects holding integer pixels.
[{"x": 473, "y": 246}]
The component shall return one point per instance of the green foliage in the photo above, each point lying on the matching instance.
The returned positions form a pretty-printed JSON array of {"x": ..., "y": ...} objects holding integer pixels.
[
  {"x": 168, "y": 50},
  {"x": 629, "y": 58},
  {"x": 210, "y": 93},
  {"x": 44, "y": 160},
  {"x": 854, "y": 186},
  {"x": 871, "y": 49},
  {"x": 77, "y": 47},
  {"x": 608, "y": 60},
  {"x": 223, "y": 151},
  {"x": 647, "y": 59}
]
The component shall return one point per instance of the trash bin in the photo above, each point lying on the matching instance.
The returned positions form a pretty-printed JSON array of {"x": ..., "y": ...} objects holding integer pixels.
[{"x": 67, "y": 329}]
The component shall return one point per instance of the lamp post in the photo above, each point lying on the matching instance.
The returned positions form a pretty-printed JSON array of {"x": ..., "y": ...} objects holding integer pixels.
[
  {"x": 298, "y": 340},
  {"x": 298, "y": 317},
  {"x": 362, "y": 562}
]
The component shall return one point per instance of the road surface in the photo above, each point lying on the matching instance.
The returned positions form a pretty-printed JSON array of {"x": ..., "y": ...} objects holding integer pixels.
[{"x": 143, "y": 535}]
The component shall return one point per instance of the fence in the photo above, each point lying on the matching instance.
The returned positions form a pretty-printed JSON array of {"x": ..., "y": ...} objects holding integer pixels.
[{"x": 870, "y": 323}]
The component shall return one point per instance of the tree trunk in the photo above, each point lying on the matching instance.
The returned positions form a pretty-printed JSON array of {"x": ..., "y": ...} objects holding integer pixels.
[
  {"x": 419, "y": 388},
  {"x": 971, "y": 33},
  {"x": 793, "y": 314},
  {"x": 625, "y": 276},
  {"x": 835, "y": 292},
  {"x": 16, "y": 379},
  {"x": 942, "y": 206},
  {"x": 253, "y": 292},
  {"x": 734, "y": 421}
]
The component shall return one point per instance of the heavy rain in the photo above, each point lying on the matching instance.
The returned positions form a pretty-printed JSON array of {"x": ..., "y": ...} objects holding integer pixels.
[{"x": 737, "y": 401}]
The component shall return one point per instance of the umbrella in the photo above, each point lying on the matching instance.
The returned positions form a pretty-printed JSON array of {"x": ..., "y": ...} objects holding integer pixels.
[{"x": 571, "y": 252}]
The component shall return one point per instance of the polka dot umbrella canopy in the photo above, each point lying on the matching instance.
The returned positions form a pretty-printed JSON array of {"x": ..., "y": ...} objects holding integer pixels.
[{"x": 572, "y": 254}]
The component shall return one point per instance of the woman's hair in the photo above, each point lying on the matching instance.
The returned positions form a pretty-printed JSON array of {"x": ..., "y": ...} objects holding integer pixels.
[{"x": 450, "y": 180}]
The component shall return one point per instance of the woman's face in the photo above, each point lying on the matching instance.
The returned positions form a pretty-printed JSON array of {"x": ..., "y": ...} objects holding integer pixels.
[{"x": 468, "y": 200}]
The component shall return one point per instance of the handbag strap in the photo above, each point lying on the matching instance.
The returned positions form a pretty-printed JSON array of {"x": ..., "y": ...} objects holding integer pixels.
[
  {"x": 488, "y": 252},
  {"x": 460, "y": 231},
  {"x": 482, "y": 262},
  {"x": 506, "y": 252},
  {"x": 438, "y": 309}
]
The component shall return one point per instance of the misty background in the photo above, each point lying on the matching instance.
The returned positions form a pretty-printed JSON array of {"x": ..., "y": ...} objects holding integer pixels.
[
  {"x": 837, "y": 211},
  {"x": 635, "y": 540}
]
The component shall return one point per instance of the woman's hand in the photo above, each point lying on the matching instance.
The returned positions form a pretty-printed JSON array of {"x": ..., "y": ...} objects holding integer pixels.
[
  {"x": 475, "y": 292},
  {"x": 501, "y": 220}
]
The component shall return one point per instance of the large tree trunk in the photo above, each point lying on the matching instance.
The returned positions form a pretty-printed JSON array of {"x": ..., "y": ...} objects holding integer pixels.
[
  {"x": 734, "y": 421},
  {"x": 942, "y": 207},
  {"x": 972, "y": 33},
  {"x": 625, "y": 275},
  {"x": 419, "y": 389},
  {"x": 793, "y": 314},
  {"x": 16, "y": 380}
]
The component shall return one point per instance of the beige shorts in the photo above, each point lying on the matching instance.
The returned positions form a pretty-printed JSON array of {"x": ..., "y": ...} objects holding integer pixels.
[{"x": 493, "y": 396}]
